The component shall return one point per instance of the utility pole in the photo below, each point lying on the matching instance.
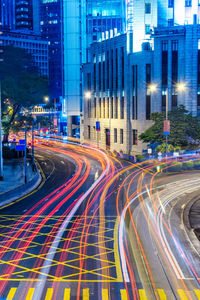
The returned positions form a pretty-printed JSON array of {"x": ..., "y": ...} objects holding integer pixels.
[
  {"x": 25, "y": 155},
  {"x": 1, "y": 148}
]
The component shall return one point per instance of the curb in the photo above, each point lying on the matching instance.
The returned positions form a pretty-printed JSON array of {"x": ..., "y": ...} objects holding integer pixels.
[{"x": 21, "y": 190}]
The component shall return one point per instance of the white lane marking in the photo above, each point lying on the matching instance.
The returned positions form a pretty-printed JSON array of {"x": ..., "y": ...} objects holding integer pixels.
[
  {"x": 51, "y": 253},
  {"x": 62, "y": 162}
]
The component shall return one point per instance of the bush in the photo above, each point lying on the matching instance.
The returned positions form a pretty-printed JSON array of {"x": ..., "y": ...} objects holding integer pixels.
[{"x": 140, "y": 157}]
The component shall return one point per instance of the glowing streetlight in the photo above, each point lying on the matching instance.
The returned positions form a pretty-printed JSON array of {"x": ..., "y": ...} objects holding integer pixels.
[
  {"x": 181, "y": 87},
  {"x": 46, "y": 99},
  {"x": 152, "y": 88},
  {"x": 88, "y": 95}
]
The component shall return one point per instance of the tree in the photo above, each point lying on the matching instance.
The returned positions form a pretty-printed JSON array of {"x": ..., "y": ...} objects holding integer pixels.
[
  {"x": 184, "y": 128},
  {"x": 22, "y": 86}
]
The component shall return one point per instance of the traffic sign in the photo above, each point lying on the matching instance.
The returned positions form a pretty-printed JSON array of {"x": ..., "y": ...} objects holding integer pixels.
[
  {"x": 22, "y": 142},
  {"x": 97, "y": 126},
  {"x": 149, "y": 151},
  {"x": 20, "y": 148},
  {"x": 166, "y": 127}
]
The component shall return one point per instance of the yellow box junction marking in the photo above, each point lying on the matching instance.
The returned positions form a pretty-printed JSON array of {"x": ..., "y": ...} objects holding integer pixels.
[
  {"x": 104, "y": 294},
  {"x": 142, "y": 294},
  {"x": 11, "y": 294},
  {"x": 197, "y": 292},
  {"x": 67, "y": 294},
  {"x": 30, "y": 294},
  {"x": 123, "y": 295},
  {"x": 49, "y": 294},
  {"x": 109, "y": 233},
  {"x": 182, "y": 295},
  {"x": 86, "y": 294},
  {"x": 162, "y": 294}
]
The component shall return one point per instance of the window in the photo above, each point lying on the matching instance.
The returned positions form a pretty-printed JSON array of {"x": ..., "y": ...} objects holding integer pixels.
[
  {"x": 95, "y": 107},
  {"x": 112, "y": 77},
  {"x": 122, "y": 108},
  {"x": 122, "y": 65},
  {"x": 99, "y": 107},
  {"x": 134, "y": 102},
  {"x": 111, "y": 108},
  {"x": 198, "y": 68},
  {"x": 147, "y": 29},
  {"x": 174, "y": 62},
  {"x": 170, "y": 22},
  {"x": 148, "y": 74},
  {"x": 188, "y": 3},
  {"x": 108, "y": 108},
  {"x": 147, "y": 8},
  {"x": 104, "y": 76},
  {"x": 115, "y": 135},
  {"x": 164, "y": 63},
  {"x": 89, "y": 133},
  {"x": 121, "y": 136},
  {"x": 104, "y": 108},
  {"x": 99, "y": 76},
  {"x": 148, "y": 107},
  {"x": 89, "y": 81},
  {"x": 135, "y": 137},
  {"x": 108, "y": 71},
  {"x": 198, "y": 100},
  {"x": 94, "y": 76},
  {"x": 116, "y": 108},
  {"x": 170, "y": 3},
  {"x": 174, "y": 102},
  {"x": 116, "y": 63}
]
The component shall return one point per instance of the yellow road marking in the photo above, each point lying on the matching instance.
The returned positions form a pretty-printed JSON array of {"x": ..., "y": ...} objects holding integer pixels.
[
  {"x": 30, "y": 294},
  {"x": 67, "y": 294},
  {"x": 197, "y": 292},
  {"x": 104, "y": 294},
  {"x": 142, "y": 294},
  {"x": 11, "y": 294},
  {"x": 86, "y": 294},
  {"x": 161, "y": 294},
  {"x": 49, "y": 294},
  {"x": 123, "y": 295},
  {"x": 116, "y": 252},
  {"x": 182, "y": 295}
]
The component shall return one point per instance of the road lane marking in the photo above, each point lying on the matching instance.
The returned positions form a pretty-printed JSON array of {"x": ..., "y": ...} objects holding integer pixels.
[
  {"x": 104, "y": 294},
  {"x": 123, "y": 295},
  {"x": 67, "y": 294},
  {"x": 30, "y": 294},
  {"x": 86, "y": 294},
  {"x": 142, "y": 294},
  {"x": 116, "y": 251},
  {"x": 182, "y": 295},
  {"x": 11, "y": 294},
  {"x": 49, "y": 294},
  {"x": 162, "y": 294},
  {"x": 197, "y": 292}
]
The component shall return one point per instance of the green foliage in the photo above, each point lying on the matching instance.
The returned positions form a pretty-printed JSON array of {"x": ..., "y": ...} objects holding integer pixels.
[
  {"x": 162, "y": 148},
  {"x": 185, "y": 129},
  {"x": 140, "y": 157},
  {"x": 22, "y": 86}
]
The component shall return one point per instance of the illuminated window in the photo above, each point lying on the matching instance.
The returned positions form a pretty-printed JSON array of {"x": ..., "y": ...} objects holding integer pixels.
[
  {"x": 188, "y": 3},
  {"x": 147, "y": 8}
]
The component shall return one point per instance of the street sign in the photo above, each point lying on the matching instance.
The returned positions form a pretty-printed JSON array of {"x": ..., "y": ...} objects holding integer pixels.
[
  {"x": 97, "y": 126},
  {"x": 176, "y": 154},
  {"x": 149, "y": 151},
  {"x": 159, "y": 153},
  {"x": 20, "y": 148},
  {"x": 22, "y": 142},
  {"x": 166, "y": 127}
]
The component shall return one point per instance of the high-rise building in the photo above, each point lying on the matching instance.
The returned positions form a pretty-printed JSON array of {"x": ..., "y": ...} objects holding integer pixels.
[
  {"x": 51, "y": 30},
  {"x": 20, "y": 15},
  {"x": 83, "y": 23}
]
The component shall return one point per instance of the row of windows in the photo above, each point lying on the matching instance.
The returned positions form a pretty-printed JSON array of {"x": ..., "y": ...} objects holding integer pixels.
[
  {"x": 121, "y": 136},
  {"x": 106, "y": 108}
]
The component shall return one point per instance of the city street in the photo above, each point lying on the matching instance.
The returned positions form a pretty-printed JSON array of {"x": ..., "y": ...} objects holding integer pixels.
[{"x": 98, "y": 228}]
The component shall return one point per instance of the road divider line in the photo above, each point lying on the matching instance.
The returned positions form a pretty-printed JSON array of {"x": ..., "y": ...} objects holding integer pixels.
[
  {"x": 30, "y": 294},
  {"x": 11, "y": 293},
  {"x": 123, "y": 295},
  {"x": 182, "y": 294},
  {"x": 67, "y": 294},
  {"x": 116, "y": 252},
  {"x": 104, "y": 294},
  {"x": 162, "y": 294},
  {"x": 142, "y": 294},
  {"x": 49, "y": 294},
  {"x": 86, "y": 294}
]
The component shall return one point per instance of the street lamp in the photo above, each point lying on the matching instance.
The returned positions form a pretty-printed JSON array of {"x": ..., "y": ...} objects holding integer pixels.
[
  {"x": 181, "y": 87},
  {"x": 46, "y": 99},
  {"x": 88, "y": 95}
]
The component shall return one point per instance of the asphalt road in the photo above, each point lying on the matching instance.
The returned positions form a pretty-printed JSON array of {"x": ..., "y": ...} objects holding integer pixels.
[{"x": 98, "y": 228}]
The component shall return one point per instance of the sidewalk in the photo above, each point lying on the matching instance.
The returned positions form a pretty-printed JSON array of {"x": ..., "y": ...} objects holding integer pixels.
[{"x": 13, "y": 174}]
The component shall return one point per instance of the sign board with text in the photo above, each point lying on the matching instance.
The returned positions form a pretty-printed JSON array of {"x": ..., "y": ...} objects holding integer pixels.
[{"x": 97, "y": 126}]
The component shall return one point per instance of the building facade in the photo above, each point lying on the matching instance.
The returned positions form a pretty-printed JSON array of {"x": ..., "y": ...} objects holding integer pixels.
[
  {"x": 118, "y": 85},
  {"x": 33, "y": 44},
  {"x": 51, "y": 31}
]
